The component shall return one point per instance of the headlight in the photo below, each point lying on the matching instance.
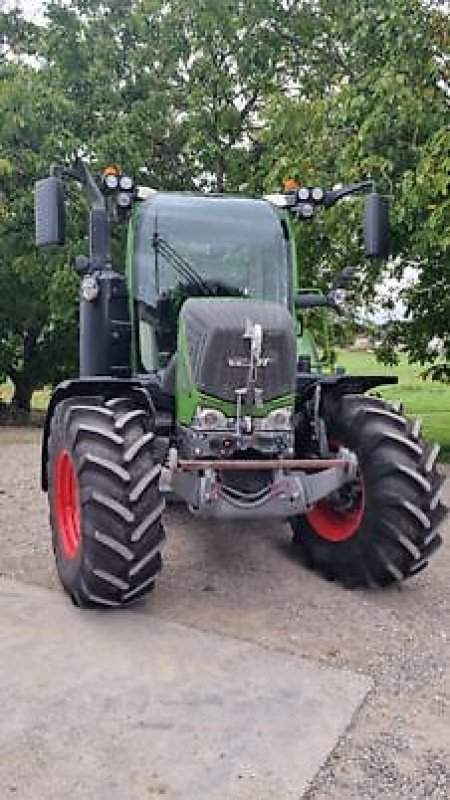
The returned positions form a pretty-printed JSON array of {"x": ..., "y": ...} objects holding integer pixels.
[
  {"x": 278, "y": 420},
  {"x": 209, "y": 418}
]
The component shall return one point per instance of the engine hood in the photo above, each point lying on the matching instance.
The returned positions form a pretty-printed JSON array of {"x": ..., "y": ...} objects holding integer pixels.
[{"x": 227, "y": 345}]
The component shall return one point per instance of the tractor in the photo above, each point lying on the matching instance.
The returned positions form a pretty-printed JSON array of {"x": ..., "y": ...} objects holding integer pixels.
[{"x": 197, "y": 384}]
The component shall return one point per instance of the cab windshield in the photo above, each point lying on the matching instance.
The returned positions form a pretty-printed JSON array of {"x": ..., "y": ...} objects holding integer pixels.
[{"x": 210, "y": 244}]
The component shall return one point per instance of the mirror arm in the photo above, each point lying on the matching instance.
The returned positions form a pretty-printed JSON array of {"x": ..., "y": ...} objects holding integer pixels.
[
  {"x": 96, "y": 198},
  {"x": 311, "y": 300},
  {"x": 79, "y": 172},
  {"x": 332, "y": 197},
  {"x": 99, "y": 229}
]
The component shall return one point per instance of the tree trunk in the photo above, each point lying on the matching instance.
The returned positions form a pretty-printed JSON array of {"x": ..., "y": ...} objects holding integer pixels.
[
  {"x": 23, "y": 393},
  {"x": 23, "y": 381},
  {"x": 220, "y": 176}
]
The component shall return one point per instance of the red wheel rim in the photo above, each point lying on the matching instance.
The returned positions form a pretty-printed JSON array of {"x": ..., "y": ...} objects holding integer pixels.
[
  {"x": 333, "y": 524},
  {"x": 67, "y": 504}
]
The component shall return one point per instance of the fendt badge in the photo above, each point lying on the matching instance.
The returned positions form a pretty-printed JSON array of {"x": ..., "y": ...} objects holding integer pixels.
[
  {"x": 256, "y": 360},
  {"x": 253, "y": 394}
]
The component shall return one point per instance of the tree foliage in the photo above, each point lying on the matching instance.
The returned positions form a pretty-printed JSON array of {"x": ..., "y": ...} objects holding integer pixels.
[
  {"x": 230, "y": 96},
  {"x": 37, "y": 308},
  {"x": 379, "y": 109}
]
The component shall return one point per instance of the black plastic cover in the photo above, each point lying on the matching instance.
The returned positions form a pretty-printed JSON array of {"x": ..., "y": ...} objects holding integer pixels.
[
  {"x": 105, "y": 329},
  {"x": 219, "y": 353},
  {"x": 376, "y": 226}
]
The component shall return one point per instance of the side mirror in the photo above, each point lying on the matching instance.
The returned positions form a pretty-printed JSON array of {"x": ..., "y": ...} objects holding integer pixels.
[
  {"x": 49, "y": 212},
  {"x": 376, "y": 226}
]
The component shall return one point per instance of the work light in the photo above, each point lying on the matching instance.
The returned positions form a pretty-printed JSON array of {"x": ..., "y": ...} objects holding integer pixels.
[
  {"x": 111, "y": 182},
  {"x": 124, "y": 199},
  {"x": 306, "y": 210},
  {"x": 317, "y": 194},
  {"x": 126, "y": 183}
]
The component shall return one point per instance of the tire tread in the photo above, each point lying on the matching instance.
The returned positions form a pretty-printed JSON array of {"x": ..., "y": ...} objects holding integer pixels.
[
  {"x": 111, "y": 445},
  {"x": 399, "y": 531}
]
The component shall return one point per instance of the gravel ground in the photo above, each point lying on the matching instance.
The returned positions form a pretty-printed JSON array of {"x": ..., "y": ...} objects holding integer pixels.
[{"x": 244, "y": 582}]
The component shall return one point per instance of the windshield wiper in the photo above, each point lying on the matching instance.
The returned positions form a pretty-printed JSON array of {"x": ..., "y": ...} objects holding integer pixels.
[{"x": 180, "y": 264}]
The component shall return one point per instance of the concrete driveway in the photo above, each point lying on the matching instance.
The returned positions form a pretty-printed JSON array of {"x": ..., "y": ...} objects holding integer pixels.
[{"x": 100, "y": 705}]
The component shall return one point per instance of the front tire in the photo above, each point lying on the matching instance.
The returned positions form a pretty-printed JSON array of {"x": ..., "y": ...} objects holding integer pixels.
[
  {"x": 105, "y": 506},
  {"x": 384, "y": 527}
]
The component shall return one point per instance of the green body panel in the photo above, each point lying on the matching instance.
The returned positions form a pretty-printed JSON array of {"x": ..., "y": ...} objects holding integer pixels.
[
  {"x": 287, "y": 220},
  {"x": 306, "y": 344},
  {"x": 130, "y": 281},
  {"x": 130, "y": 276},
  {"x": 186, "y": 394}
]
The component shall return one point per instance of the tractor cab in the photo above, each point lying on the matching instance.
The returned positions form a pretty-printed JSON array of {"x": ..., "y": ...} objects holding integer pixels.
[{"x": 188, "y": 245}]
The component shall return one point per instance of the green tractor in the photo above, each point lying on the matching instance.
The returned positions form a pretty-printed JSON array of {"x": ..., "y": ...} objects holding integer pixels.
[{"x": 197, "y": 383}]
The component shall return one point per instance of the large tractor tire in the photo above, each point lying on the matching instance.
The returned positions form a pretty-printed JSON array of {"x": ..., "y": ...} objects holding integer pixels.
[
  {"x": 105, "y": 506},
  {"x": 383, "y": 527}
]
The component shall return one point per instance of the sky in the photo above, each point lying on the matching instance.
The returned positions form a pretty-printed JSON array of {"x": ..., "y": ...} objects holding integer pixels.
[{"x": 31, "y": 8}]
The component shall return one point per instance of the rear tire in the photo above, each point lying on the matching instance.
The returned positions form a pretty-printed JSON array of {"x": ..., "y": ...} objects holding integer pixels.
[
  {"x": 105, "y": 506},
  {"x": 385, "y": 527}
]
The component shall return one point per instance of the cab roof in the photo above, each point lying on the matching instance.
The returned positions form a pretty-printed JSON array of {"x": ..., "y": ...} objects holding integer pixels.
[{"x": 225, "y": 207}]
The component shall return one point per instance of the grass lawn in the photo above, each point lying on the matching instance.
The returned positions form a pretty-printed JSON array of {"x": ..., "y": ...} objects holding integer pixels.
[
  {"x": 429, "y": 400},
  {"x": 39, "y": 401}
]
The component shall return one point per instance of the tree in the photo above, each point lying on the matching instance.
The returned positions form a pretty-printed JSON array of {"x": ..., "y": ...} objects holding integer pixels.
[
  {"x": 230, "y": 63},
  {"x": 427, "y": 208},
  {"x": 37, "y": 308},
  {"x": 176, "y": 90},
  {"x": 375, "y": 106}
]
